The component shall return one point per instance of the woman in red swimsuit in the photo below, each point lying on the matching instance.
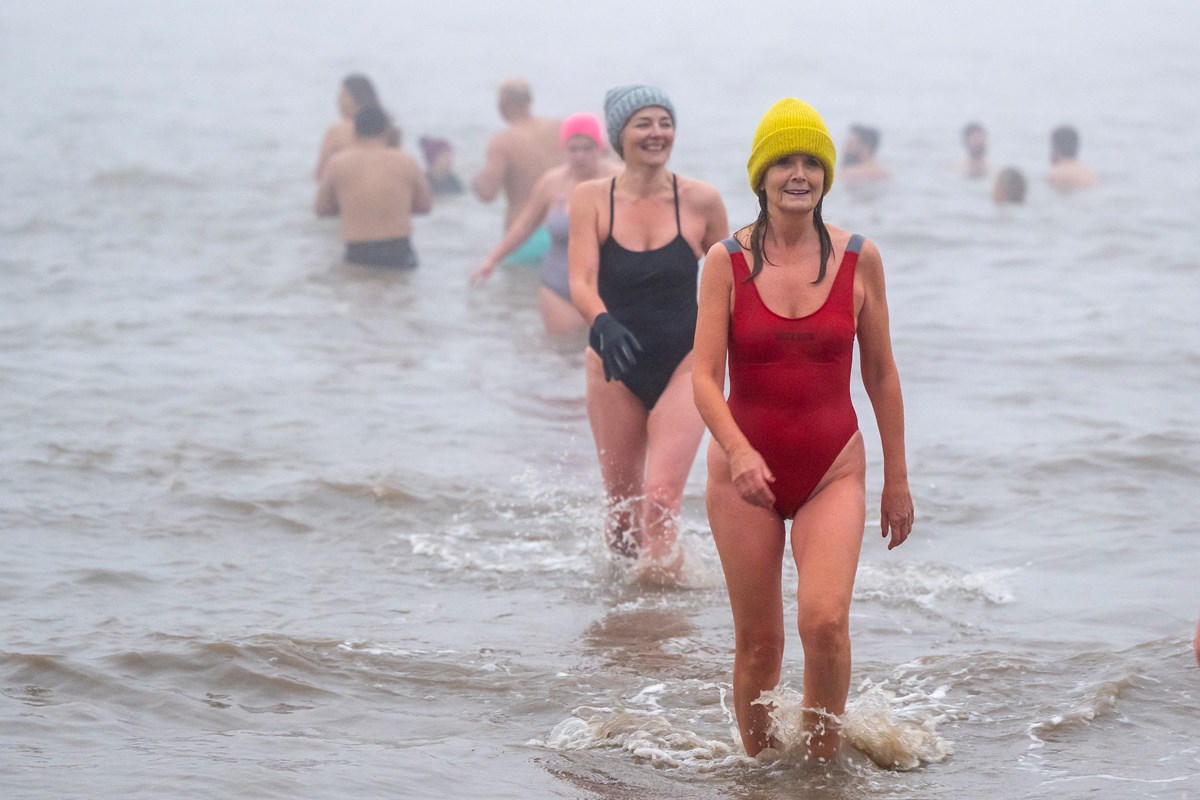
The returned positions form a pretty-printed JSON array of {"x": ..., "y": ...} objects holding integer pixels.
[{"x": 783, "y": 301}]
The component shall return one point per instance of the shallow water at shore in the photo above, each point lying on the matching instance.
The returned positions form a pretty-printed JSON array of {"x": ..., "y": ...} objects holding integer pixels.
[{"x": 279, "y": 527}]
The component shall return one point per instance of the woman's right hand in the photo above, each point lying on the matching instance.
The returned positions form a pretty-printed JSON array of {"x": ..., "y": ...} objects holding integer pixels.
[
  {"x": 618, "y": 346},
  {"x": 482, "y": 272},
  {"x": 752, "y": 478}
]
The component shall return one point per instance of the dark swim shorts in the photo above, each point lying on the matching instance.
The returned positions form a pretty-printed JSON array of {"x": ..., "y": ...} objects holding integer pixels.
[{"x": 382, "y": 253}]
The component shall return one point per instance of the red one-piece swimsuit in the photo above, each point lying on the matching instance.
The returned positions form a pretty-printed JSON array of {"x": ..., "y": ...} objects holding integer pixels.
[{"x": 789, "y": 379}]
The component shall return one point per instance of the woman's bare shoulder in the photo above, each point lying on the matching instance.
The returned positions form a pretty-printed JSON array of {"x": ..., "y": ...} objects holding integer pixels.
[
  {"x": 697, "y": 190},
  {"x": 592, "y": 188}
]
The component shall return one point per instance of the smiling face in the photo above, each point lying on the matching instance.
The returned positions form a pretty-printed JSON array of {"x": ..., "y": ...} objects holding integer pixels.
[
  {"x": 794, "y": 183},
  {"x": 648, "y": 135}
]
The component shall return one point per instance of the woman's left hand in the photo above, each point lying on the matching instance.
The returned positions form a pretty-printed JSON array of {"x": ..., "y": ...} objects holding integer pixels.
[{"x": 896, "y": 512}]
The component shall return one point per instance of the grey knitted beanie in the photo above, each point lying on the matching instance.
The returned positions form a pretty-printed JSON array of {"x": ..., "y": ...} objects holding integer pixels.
[{"x": 622, "y": 102}]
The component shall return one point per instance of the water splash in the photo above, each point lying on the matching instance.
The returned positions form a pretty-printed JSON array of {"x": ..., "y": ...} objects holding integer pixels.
[{"x": 895, "y": 731}]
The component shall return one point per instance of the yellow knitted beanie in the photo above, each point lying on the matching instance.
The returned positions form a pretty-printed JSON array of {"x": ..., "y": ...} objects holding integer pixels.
[{"x": 790, "y": 126}]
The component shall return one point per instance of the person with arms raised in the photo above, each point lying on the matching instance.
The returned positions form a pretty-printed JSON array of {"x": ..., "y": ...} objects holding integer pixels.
[{"x": 583, "y": 144}]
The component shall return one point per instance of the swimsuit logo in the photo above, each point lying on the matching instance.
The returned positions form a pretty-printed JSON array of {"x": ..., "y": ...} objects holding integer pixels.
[{"x": 795, "y": 336}]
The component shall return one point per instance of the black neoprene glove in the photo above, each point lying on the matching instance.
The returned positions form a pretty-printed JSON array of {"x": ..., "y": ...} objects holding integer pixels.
[{"x": 616, "y": 345}]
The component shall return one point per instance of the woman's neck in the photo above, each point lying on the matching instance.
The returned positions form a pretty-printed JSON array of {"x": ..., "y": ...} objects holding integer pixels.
[
  {"x": 582, "y": 174},
  {"x": 643, "y": 180},
  {"x": 791, "y": 231}
]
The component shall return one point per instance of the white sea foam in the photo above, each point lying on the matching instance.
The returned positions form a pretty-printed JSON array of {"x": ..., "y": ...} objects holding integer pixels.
[
  {"x": 924, "y": 584},
  {"x": 648, "y": 736},
  {"x": 895, "y": 729}
]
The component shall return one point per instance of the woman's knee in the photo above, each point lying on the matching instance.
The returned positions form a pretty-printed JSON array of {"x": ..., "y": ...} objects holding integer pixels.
[
  {"x": 825, "y": 628},
  {"x": 664, "y": 497},
  {"x": 760, "y": 650}
]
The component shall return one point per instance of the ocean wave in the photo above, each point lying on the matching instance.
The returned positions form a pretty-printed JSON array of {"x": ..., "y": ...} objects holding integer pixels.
[
  {"x": 141, "y": 178},
  {"x": 924, "y": 584},
  {"x": 1091, "y": 701},
  {"x": 43, "y": 679},
  {"x": 38, "y": 226}
]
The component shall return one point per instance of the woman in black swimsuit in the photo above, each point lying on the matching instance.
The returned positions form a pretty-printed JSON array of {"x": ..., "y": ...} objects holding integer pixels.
[{"x": 635, "y": 242}]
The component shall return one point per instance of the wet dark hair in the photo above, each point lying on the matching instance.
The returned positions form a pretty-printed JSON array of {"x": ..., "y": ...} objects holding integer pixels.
[
  {"x": 371, "y": 121},
  {"x": 360, "y": 88},
  {"x": 971, "y": 127},
  {"x": 758, "y": 233},
  {"x": 868, "y": 136},
  {"x": 1011, "y": 184},
  {"x": 1064, "y": 141}
]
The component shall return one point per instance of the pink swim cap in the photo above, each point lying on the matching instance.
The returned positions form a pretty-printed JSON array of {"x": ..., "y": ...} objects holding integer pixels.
[{"x": 583, "y": 123}]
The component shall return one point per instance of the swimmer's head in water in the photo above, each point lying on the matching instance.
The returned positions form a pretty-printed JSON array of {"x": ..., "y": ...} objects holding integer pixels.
[
  {"x": 860, "y": 145},
  {"x": 622, "y": 102},
  {"x": 974, "y": 139},
  {"x": 1010, "y": 186},
  {"x": 1064, "y": 142},
  {"x": 582, "y": 124},
  {"x": 370, "y": 122},
  {"x": 790, "y": 126}
]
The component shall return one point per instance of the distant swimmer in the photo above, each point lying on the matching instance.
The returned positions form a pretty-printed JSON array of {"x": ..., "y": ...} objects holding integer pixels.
[
  {"x": 634, "y": 249},
  {"x": 858, "y": 156},
  {"x": 1009, "y": 187},
  {"x": 782, "y": 304},
  {"x": 516, "y": 157},
  {"x": 1067, "y": 172},
  {"x": 583, "y": 144},
  {"x": 376, "y": 189},
  {"x": 974, "y": 139},
  {"x": 439, "y": 166},
  {"x": 357, "y": 92}
]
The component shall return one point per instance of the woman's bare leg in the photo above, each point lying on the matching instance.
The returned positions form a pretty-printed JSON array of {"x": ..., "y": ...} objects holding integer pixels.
[
  {"x": 827, "y": 535},
  {"x": 618, "y": 421},
  {"x": 750, "y": 542},
  {"x": 674, "y": 429}
]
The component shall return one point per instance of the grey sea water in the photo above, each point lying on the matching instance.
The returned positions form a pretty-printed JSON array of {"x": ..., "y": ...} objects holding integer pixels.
[{"x": 276, "y": 527}]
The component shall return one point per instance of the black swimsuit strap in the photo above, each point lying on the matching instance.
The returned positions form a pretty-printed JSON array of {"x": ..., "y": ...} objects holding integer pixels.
[
  {"x": 675, "y": 186},
  {"x": 612, "y": 218},
  {"x": 612, "y": 215}
]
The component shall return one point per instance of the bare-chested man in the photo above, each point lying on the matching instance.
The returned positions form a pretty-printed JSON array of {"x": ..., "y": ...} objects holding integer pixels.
[
  {"x": 376, "y": 189},
  {"x": 518, "y": 155},
  {"x": 1067, "y": 172}
]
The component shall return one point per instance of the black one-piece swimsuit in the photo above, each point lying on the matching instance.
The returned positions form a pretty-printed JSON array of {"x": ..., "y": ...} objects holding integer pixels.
[{"x": 653, "y": 294}]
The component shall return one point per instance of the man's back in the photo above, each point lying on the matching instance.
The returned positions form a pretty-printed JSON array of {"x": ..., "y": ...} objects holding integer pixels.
[
  {"x": 377, "y": 190},
  {"x": 534, "y": 148},
  {"x": 517, "y": 156}
]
